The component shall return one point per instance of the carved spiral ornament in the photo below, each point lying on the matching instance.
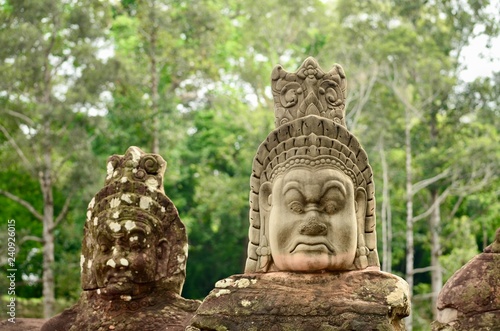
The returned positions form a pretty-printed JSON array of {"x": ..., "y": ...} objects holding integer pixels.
[
  {"x": 150, "y": 164},
  {"x": 309, "y": 91}
]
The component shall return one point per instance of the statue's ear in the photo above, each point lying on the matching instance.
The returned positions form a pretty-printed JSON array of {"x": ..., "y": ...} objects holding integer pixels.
[
  {"x": 265, "y": 197},
  {"x": 162, "y": 255},
  {"x": 361, "y": 204}
]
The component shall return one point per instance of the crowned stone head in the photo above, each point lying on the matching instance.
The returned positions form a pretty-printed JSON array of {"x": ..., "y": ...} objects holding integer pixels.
[
  {"x": 312, "y": 204},
  {"x": 134, "y": 242}
]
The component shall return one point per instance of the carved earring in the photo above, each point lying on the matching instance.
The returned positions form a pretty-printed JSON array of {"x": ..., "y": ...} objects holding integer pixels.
[
  {"x": 263, "y": 254},
  {"x": 361, "y": 260}
]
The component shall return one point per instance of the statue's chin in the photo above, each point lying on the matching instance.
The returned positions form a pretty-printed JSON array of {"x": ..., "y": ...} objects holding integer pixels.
[{"x": 311, "y": 260}]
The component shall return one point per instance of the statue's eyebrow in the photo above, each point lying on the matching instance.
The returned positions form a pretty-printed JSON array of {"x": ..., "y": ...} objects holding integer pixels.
[
  {"x": 334, "y": 184},
  {"x": 290, "y": 186},
  {"x": 104, "y": 235}
]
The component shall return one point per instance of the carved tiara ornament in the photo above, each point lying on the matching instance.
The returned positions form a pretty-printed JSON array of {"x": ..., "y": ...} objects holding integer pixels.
[{"x": 309, "y": 91}]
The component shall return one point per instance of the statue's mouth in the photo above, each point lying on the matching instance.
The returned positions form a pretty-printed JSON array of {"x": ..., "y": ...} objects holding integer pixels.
[
  {"x": 315, "y": 247},
  {"x": 117, "y": 279}
]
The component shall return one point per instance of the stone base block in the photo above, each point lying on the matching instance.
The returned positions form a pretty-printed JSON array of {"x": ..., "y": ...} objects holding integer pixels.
[{"x": 282, "y": 301}]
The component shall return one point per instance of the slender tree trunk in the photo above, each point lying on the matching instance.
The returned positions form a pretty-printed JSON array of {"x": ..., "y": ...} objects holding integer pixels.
[
  {"x": 436, "y": 271},
  {"x": 45, "y": 179},
  {"x": 410, "y": 249},
  {"x": 153, "y": 39},
  {"x": 386, "y": 213},
  {"x": 48, "y": 241}
]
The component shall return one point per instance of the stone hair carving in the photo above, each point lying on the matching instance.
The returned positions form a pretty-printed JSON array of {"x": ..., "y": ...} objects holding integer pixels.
[
  {"x": 133, "y": 198},
  {"x": 310, "y": 134}
]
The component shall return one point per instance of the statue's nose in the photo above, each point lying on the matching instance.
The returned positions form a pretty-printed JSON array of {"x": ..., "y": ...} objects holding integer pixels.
[{"x": 313, "y": 228}]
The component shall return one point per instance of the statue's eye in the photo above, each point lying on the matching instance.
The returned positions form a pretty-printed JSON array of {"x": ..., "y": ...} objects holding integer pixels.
[
  {"x": 135, "y": 246},
  {"x": 104, "y": 248},
  {"x": 296, "y": 207},
  {"x": 136, "y": 243},
  {"x": 330, "y": 207}
]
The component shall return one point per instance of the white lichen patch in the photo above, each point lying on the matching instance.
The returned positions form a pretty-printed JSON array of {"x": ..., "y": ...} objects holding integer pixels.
[
  {"x": 136, "y": 156},
  {"x": 98, "y": 291},
  {"x": 123, "y": 179},
  {"x": 115, "y": 173},
  {"x": 114, "y": 250},
  {"x": 89, "y": 264},
  {"x": 115, "y": 226},
  {"x": 91, "y": 203},
  {"x": 134, "y": 238},
  {"x": 126, "y": 197},
  {"x": 246, "y": 303},
  {"x": 242, "y": 283},
  {"x": 253, "y": 281},
  {"x": 111, "y": 263},
  {"x": 223, "y": 283},
  {"x": 109, "y": 170},
  {"x": 124, "y": 262},
  {"x": 162, "y": 209},
  {"x": 186, "y": 249},
  {"x": 115, "y": 202},
  {"x": 116, "y": 214},
  {"x": 129, "y": 225},
  {"x": 447, "y": 315},
  {"x": 96, "y": 221},
  {"x": 145, "y": 202},
  {"x": 82, "y": 261},
  {"x": 152, "y": 184},
  {"x": 222, "y": 292},
  {"x": 181, "y": 258},
  {"x": 89, "y": 215},
  {"x": 398, "y": 297},
  {"x": 125, "y": 297}
]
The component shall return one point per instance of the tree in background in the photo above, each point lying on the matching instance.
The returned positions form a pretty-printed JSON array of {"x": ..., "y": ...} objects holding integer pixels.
[{"x": 52, "y": 79}]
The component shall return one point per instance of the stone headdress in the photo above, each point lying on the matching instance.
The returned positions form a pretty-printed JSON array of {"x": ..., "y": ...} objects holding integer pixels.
[
  {"x": 310, "y": 130},
  {"x": 133, "y": 190}
]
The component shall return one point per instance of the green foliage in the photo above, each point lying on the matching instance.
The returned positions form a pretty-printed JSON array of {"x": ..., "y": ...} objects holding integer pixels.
[
  {"x": 33, "y": 307},
  {"x": 196, "y": 75}
]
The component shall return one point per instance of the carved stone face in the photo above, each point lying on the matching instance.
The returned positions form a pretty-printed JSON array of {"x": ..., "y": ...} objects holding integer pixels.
[
  {"x": 127, "y": 257},
  {"x": 314, "y": 216}
]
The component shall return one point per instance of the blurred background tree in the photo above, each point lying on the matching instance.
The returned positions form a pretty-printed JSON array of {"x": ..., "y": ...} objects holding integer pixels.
[{"x": 190, "y": 80}]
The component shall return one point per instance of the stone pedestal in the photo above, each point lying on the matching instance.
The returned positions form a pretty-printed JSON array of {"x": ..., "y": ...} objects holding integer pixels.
[
  {"x": 159, "y": 311},
  {"x": 284, "y": 301}
]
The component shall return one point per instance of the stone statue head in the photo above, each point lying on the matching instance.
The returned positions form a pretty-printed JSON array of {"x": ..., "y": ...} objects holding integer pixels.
[
  {"x": 312, "y": 204},
  {"x": 134, "y": 241}
]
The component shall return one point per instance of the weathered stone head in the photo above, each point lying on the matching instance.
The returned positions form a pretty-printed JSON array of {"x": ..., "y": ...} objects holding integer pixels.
[
  {"x": 312, "y": 204},
  {"x": 134, "y": 254},
  {"x": 470, "y": 299},
  {"x": 134, "y": 241}
]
